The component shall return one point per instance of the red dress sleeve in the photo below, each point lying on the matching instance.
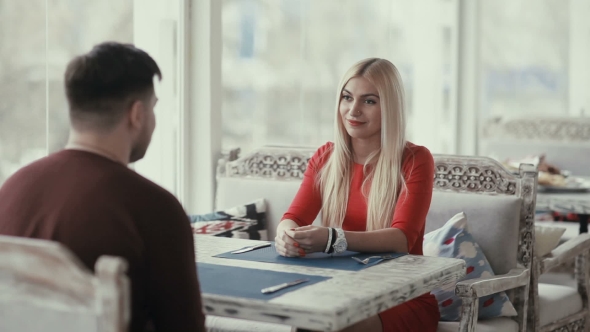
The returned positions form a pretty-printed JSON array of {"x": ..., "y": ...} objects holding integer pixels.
[
  {"x": 308, "y": 201},
  {"x": 413, "y": 202}
]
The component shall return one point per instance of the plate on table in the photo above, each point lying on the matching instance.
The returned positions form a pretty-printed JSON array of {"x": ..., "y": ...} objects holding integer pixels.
[{"x": 571, "y": 184}]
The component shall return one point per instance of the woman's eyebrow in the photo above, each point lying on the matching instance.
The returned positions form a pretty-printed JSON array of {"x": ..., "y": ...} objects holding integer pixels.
[{"x": 365, "y": 95}]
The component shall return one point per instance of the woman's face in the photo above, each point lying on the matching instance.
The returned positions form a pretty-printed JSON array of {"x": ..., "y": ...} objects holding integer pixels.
[{"x": 360, "y": 109}]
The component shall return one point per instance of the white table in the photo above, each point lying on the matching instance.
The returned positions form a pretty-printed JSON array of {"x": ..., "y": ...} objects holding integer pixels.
[
  {"x": 346, "y": 298},
  {"x": 564, "y": 202},
  {"x": 578, "y": 203}
]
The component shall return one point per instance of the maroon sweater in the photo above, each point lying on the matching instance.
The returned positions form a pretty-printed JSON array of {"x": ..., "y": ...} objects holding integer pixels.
[{"x": 95, "y": 206}]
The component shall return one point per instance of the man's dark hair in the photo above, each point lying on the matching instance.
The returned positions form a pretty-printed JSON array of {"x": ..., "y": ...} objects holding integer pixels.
[{"x": 101, "y": 84}]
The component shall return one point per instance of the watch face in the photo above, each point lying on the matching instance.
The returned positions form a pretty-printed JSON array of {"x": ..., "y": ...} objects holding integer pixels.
[{"x": 340, "y": 246}]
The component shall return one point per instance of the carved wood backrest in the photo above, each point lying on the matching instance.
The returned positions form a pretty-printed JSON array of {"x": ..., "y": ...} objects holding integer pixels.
[
  {"x": 44, "y": 287},
  {"x": 548, "y": 129},
  {"x": 564, "y": 140},
  {"x": 277, "y": 163}
]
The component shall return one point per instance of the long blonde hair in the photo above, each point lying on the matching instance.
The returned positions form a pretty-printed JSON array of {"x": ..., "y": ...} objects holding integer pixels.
[{"x": 384, "y": 179}]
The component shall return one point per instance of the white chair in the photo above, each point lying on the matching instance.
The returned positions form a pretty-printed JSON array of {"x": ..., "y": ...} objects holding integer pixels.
[
  {"x": 44, "y": 287},
  {"x": 500, "y": 209},
  {"x": 566, "y": 143},
  {"x": 561, "y": 308}
]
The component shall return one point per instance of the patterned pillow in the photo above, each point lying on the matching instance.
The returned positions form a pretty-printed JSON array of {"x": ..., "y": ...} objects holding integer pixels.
[
  {"x": 453, "y": 240},
  {"x": 246, "y": 221}
]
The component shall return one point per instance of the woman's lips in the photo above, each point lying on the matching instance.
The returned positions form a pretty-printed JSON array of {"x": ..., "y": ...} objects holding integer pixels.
[{"x": 355, "y": 123}]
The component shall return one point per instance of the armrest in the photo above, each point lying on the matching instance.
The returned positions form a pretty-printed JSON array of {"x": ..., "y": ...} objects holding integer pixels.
[
  {"x": 491, "y": 285},
  {"x": 566, "y": 252}
]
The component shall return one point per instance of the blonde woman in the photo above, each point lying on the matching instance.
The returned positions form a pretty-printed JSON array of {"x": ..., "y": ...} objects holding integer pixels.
[{"x": 373, "y": 187}]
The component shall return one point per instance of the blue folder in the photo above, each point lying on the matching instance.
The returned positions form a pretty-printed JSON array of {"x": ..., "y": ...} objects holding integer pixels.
[{"x": 341, "y": 261}]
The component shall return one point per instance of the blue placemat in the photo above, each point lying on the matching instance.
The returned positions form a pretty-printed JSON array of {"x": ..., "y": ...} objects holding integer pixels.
[
  {"x": 341, "y": 261},
  {"x": 247, "y": 283}
]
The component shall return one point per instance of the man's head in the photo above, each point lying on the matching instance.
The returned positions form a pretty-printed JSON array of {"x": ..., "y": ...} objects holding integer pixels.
[{"x": 110, "y": 90}]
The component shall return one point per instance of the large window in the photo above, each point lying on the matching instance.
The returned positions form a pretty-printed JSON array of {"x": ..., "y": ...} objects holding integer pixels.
[
  {"x": 524, "y": 53},
  {"x": 38, "y": 38},
  {"x": 282, "y": 61},
  {"x": 265, "y": 72}
]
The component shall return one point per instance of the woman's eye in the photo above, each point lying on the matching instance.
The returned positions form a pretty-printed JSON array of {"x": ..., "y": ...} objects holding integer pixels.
[
  {"x": 345, "y": 97},
  {"x": 370, "y": 101}
]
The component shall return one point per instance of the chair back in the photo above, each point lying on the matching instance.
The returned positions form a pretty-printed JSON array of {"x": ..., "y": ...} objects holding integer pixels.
[
  {"x": 499, "y": 206},
  {"x": 44, "y": 287},
  {"x": 564, "y": 140}
]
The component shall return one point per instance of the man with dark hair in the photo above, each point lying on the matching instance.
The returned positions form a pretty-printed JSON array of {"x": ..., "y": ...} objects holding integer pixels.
[{"x": 86, "y": 197}]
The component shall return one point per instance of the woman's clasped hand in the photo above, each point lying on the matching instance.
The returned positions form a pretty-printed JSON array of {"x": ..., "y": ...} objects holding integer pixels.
[{"x": 299, "y": 241}]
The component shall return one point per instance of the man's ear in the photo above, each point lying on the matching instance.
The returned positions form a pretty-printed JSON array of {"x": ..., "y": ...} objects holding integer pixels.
[{"x": 136, "y": 114}]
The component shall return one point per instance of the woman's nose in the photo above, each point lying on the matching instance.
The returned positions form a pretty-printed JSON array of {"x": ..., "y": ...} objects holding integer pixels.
[{"x": 355, "y": 110}]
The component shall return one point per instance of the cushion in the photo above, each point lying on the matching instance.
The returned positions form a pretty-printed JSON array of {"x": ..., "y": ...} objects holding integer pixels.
[
  {"x": 557, "y": 302},
  {"x": 572, "y": 229},
  {"x": 245, "y": 221},
  {"x": 546, "y": 239},
  {"x": 503, "y": 324},
  {"x": 494, "y": 223},
  {"x": 454, "y": 240},
  {"x": 278, "y": 195},
  {"x": 565, "y": 278}
]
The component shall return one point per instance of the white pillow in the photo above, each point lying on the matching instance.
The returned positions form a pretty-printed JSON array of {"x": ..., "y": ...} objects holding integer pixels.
[{"x": 546, "y": 239}]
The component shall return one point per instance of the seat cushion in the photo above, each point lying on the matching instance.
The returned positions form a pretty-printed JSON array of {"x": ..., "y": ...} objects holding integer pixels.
[
  {"x": 454, "y": 240},
  {"x": 572, "y": 229},
  {"x": 546, "y": 238},
  {"x": 565, "y": 278},
  {"x": 489, "y": 325},
  {"x": 225, "y": 324},
  {"x": 557, "y": 302}
]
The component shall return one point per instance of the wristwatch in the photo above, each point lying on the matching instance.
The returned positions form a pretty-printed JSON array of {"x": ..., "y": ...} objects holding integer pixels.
[{"x": 340, "y": 245}]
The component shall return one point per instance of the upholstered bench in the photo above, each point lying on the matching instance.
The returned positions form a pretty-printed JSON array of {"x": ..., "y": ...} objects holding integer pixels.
[{"x": 274, "y": 174}]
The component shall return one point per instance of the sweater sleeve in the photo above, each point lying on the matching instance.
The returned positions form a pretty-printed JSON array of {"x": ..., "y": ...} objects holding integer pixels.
[
  {"x": 308, "y": 201},
  {"x": 174, "y": 296},
  {"x": 414, "y": 201}
]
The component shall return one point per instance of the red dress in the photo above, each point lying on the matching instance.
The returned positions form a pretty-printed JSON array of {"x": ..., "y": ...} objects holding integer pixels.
[{"x": 420, "y": 314}]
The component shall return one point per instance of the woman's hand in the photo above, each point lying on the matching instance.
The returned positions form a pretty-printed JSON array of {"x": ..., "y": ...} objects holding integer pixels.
[
  {"x": 310, "y": 238},
  {"x": 286, "y": 246}
]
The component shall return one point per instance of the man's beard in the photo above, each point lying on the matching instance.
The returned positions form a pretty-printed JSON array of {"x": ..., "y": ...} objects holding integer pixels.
[{"x": 139, "y": 149}]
